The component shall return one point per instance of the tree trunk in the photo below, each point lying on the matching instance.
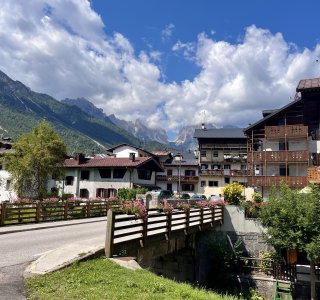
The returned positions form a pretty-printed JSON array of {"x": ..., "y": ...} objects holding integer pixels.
[{"x": 312, "y": 280}]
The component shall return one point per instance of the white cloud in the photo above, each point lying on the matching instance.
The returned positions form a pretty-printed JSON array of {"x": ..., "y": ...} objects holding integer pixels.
[
  {"x": 166, "y": 33},
  {"x": 59, "y": 47}
]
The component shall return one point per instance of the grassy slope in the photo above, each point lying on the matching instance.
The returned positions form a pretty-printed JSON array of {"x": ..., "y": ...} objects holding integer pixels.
[{"x": 102, "y": 279}]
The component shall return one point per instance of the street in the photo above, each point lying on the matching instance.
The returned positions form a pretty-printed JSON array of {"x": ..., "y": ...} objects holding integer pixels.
[{"x": 18, "y": 249}]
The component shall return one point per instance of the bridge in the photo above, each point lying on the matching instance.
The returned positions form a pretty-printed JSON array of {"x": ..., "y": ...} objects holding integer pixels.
[{"x": 158, "y": 233}]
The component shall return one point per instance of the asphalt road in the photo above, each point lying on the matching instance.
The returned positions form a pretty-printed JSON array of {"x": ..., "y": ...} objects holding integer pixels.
[{"x": 18, "y": 249}]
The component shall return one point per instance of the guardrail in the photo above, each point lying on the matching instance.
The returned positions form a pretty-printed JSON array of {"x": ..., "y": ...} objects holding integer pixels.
[
  {"x": 123, "y": 228},
  {"x": 35, "y": 212}
]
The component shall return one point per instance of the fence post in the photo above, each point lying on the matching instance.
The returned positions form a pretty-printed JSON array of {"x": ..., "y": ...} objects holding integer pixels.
[
  {"x": 3, "y": 213},
  {"x": 169, "y": 222},
  {"x": 65, "y": 211},
  {"x": 187, "y": 221},
  {"x": 212, "y": 216},
  {"x": 111, "y": 217},
  {"x": 38, "y": 207},
  {"x": 88, "y": 209},
  {"x": 201, "y": 218}
]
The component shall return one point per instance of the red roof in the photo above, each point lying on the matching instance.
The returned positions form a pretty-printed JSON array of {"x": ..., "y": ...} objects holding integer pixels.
[
  {"x": 109, "y": 162},
  {"x": 308, "y": 84}
]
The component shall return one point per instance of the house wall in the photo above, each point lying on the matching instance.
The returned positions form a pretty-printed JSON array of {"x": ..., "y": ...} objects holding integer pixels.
[
  {"x": 6, "y": 190},
  {"x": 124, "y": 152}
]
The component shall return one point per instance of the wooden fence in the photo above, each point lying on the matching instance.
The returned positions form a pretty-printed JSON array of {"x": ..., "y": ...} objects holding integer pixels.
[
  {"x": 123, "y": 228},
  {"x": 35, "y": 212}
]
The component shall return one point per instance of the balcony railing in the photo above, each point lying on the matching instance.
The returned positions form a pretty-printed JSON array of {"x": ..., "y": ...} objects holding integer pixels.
[
  {"x": 313, "y": 175},
  {"x": 292, "y": 181},
  {"x": 272, "y": 132},
  {"x": 279, "y": 156},
  {"x": 225, "y": 172},
  {"x": 175, "y": 178}
]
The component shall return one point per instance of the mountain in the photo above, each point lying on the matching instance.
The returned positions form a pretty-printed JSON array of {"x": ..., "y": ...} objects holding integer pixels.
[
  {"x": 137, "y": 128},
  {"x": 21, "y": 109}
]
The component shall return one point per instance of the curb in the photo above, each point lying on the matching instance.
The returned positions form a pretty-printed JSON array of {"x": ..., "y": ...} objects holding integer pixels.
[{"x": 48, "y": 225}]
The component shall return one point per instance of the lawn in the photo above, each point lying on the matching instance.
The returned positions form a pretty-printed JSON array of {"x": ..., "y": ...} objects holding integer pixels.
[{"x": 102, "y": 279}]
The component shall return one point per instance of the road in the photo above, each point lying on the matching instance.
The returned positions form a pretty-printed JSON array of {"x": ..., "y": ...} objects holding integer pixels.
[{"x": 18, "y": 249}]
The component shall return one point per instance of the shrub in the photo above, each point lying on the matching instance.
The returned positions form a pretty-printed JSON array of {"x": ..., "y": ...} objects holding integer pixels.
[{"x": 232, "y": 193}]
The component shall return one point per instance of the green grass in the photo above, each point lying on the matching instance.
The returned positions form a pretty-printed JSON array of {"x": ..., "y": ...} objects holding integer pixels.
[{"x": 102, "y": 279}]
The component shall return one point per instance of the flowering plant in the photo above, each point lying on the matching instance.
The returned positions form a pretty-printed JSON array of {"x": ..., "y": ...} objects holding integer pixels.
[
  {"x": 134, "y": 207},
  {"x": 200, "y": 204},
  {"x": 213, "y": 204},
  {"x": 183, "y": 205},
  {"x": 23, "y": 200},
  {"x": 51, "y": 200},
  {"x": 166, "y": 207}
]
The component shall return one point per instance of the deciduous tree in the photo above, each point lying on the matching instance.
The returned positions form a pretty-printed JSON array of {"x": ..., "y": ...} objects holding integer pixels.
[
  {"x": 36, "y": 156},
  {"x": 292, "y": 220}
]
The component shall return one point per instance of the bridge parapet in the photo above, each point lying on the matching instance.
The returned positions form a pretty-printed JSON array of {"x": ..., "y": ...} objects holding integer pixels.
[{"x": 157, "y": 226}]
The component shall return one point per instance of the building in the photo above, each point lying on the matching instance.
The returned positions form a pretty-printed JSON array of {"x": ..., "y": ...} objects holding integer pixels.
[
  {"x": 284, "y": 145},
  {"x": 181, "y": 172},
  {"x": 6, "y": 185},
  {"x": 222, "y": 158},
  {"x": 102, "y": 176}
]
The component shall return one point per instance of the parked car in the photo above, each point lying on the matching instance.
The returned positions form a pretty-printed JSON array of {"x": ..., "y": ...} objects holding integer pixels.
[
  {"x": 185, "y": 196},
  {"x": 165, "y": 194},
  {"x": 215, "y": 198},
  {"x": 198, "y": 197}
]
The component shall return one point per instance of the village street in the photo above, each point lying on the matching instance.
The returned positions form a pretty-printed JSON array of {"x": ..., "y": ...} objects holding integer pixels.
[{"x": 18, "y": 249}]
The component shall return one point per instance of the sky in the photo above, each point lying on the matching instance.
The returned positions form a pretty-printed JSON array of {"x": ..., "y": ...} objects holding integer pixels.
[{"x": 169, "y": 63}]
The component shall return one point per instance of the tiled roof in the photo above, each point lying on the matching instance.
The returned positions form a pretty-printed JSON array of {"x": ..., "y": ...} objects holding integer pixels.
[
  {"x": 308, "y": 84},
  {"x": 107, "y": 162},
  {"x": 221, "y": 133}
]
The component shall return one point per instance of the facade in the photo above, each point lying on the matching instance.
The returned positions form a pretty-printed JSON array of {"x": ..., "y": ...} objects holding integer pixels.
[
  {"x": 222, "y": 158},
  {"x": 91, "y": 177},
  {"x": 181, "y": 172},
  {"x": 6, "y": 185},
  {"x": 285, "y": 144}
]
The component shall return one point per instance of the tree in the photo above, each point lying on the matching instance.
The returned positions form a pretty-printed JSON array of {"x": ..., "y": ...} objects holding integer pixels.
[
  {"x": 36, "y": 156},
  {"x": 292, "y": 221},
  {"x": 232, "y": 193}
]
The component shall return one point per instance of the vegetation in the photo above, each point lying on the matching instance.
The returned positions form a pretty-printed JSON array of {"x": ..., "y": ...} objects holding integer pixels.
[
  {"x": 129, "y": 194},
  {"x": 232, "y": 193},
  {"x": 292, "y": 220},
  {"x": 36, "y": 156},
  {"x": 102, "y": 279}
]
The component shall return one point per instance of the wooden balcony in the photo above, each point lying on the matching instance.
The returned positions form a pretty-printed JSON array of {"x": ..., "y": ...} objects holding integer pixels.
[
  {"x": 269, "y": 181},
  {"x": 313, "y": 175},
  {"x": 289, "y": 131},
  {"x": 278, "y": 156},
  {"x": 175, "y": 178},
  {"x": 226, "y": 172}
]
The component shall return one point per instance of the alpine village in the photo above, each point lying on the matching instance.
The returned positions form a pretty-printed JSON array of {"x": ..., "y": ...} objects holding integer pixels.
[{"x": 234, "y": 211}]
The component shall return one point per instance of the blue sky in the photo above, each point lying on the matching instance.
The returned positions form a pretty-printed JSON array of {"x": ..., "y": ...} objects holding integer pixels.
[{"x": 167, "y": 63}]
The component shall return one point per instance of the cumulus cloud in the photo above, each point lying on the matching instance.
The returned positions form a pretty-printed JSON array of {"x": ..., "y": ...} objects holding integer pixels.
[{"x": 59, "y": 47}]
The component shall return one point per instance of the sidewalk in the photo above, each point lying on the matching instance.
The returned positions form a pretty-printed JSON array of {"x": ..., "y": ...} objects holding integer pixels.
[{"x": 27, "y": 227}]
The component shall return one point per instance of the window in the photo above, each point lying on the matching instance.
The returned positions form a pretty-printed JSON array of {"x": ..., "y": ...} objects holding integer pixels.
[
  {"x": 8, "y": 185},
  {"x": 213, "y": 183},
  {"x": 227, "y": 180},
  {"x": 169, "y": 172},
  {"x": 243, "y": 167},
  {"x": 84, "y": 193},
  {"x": 215, "y": 167},
  {"x": 283, "y": 146},
  {"x": 144, "y": 174},
  {"x": 105, "y": 173},
  {"x": 169, "y": 186},
  {"x": 85, "y": 174},
  {"x": 188, "y": 187},
  {"x": 204, "y": 166},
  {"x": 283, "y": 171},
  {"x": 69, "y": 180},
  {"x": 227, "y": 167},
  {"x": 203, "y": 153},
  {"x": 119, "y": 173},
  {"x": 189, "y": 173},
  {"x": 101, "y": 193},
  {"x": 215, "y": 153},
  {"x": 203, "y": 183}
]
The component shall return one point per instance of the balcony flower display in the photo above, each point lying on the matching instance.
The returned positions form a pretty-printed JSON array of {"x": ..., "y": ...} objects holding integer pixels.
[{"x": 134, "y": 207}]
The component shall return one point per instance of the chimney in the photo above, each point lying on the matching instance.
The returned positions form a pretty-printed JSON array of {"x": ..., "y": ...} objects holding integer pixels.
[
  {"x": 203, "y": 127},
  {"x": 132, "y": 156},
  {"x": 80, "y": 158}
]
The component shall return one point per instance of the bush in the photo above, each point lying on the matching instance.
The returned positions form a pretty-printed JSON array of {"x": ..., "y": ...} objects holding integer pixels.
[
  {"x": 129, "y": 194},
  {"x": 232, "y": 193}
]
